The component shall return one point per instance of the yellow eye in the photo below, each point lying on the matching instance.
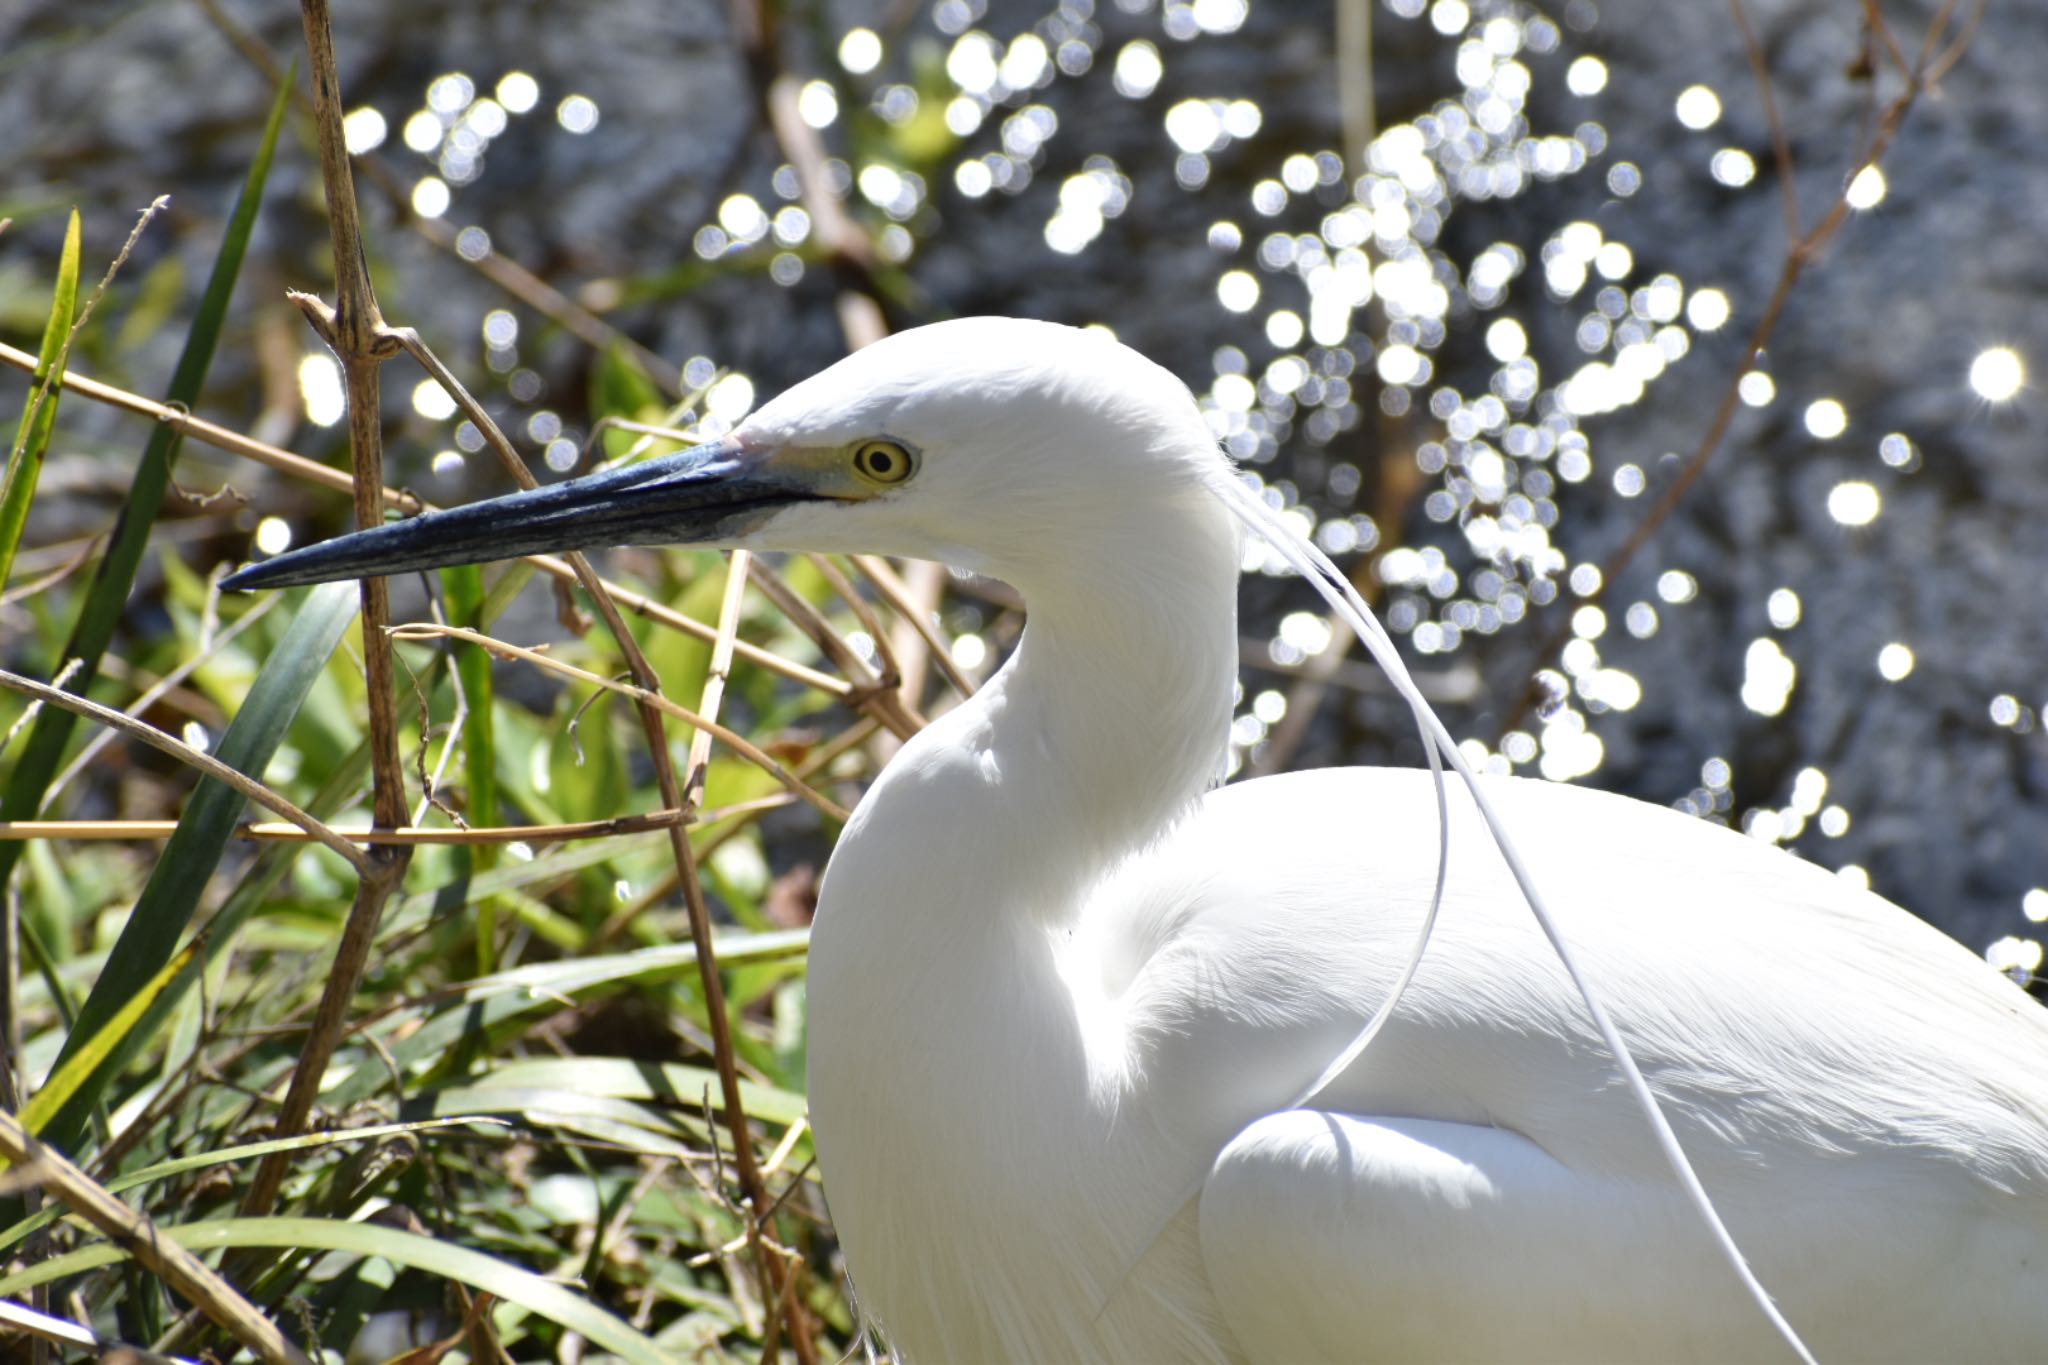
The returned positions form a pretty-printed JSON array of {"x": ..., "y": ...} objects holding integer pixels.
[{"x": 883, "y": 462}]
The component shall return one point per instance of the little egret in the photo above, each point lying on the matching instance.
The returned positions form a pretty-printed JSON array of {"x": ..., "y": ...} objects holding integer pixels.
[{"x": 1070, "y": 1002}]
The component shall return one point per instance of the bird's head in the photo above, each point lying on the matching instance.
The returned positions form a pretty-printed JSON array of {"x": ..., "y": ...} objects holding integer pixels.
[{"x": 986, "y": 442}]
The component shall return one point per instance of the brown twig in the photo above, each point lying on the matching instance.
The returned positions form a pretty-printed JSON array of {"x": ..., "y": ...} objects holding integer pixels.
[
  {"x": 353, "y": 330},
  {"x": 915, "y": 605},
  {"x": 1941, "y": 65},
  {"x": 279, "y": 832},
  {"x": 140, "y": 1238},
  {"x": 863, "y": 611},
  {"x": 310, "y": 471},
  {"x": 870, "y": 689},
  {"x": 185, "y": 753},
  {"x": 157, "y": 689},
  {"x": 1873, "y": 19},
  {"x": 1781, "y": 145},
  {"x": 739, "y": 743},
  {"x": 819, "y": 760}
]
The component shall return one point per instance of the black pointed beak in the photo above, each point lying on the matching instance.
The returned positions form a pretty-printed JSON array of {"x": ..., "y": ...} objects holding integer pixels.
[{"x": 692, "y": 496}]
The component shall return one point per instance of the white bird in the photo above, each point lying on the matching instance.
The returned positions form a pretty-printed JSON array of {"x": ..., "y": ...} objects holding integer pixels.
[{"x": 1066, "y": 993}]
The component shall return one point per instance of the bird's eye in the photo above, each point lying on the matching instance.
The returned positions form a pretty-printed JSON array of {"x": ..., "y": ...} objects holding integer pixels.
[{"x": 883, "y": 462}]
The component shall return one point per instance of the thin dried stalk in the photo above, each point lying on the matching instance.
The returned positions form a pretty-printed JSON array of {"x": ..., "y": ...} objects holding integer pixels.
[
  {"x": 139, "y": 1237},
  {"x": 715, "y": 676},
  {"x": 353, "y": 329},
  {"x": 279, "y": 833},
  {"x": 869, "y": 688},
  {"x": 185, "y": 753},
  {"x": 818, "y": 760},
  {"x": 863, "y": 610},
  {"x": 914, "y": 606},
  {"x": 309, "y": 471},
  {"x": 739, "y": 743},
  {"x": 159, "y": 688}
]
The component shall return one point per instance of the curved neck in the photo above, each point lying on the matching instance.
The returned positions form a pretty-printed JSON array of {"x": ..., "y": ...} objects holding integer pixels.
[
  {"x": 1106, "y": 724},
  {"x": 950, "y": 887}
]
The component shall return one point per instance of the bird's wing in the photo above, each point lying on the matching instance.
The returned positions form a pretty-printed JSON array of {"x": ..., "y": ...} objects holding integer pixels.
[{"x": 1840, "y": 1073}]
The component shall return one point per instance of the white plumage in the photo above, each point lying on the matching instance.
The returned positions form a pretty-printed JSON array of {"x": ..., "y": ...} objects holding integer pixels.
[{"x": 1057, "y": 983}]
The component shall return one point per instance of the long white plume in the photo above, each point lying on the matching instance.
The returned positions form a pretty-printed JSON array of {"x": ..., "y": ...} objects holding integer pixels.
[{"x": 1312, "y": 564}]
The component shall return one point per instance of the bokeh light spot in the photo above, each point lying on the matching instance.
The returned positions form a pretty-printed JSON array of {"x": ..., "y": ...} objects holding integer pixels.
[{"x": 1997, "y": 373}]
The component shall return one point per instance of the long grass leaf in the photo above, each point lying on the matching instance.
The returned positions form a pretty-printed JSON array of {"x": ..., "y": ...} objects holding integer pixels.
[
  {"x": 108, "y": 594},
  {"x": 71, "y": 1075},
  {"x": 39, "y": 416},
  {"x": 164, "y": 1170},
  {"x": 625, "y": 1078},
  {"x": 483, "y": 1005},
  {"x": 172, "y": 894},
  {"x": 497, "y": 1278}
]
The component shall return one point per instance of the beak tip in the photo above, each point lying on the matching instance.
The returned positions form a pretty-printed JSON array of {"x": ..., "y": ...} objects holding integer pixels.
[{"x": 255, "y": 577}]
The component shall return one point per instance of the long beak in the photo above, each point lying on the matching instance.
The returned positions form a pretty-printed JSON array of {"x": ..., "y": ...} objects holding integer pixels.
[{"x": 691, "y": 496}]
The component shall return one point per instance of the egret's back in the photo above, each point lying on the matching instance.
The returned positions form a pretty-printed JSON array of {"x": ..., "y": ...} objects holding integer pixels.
[{"x": 1865, "y": 1100}]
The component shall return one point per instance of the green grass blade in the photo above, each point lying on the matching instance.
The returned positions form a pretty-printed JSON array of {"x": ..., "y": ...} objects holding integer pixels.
[
  {"x": 108, "y": 593},
  {"x": 497, "y": 1278},
  {"x": 484, "y": 1005},
  {"x": 70, "y": 1075},
  {"x": 625, "y": 1078},
  {"x": 164, "y": 1170},
  {"x": 39, "y": 418},
  {"x": 167, "y": 902}
]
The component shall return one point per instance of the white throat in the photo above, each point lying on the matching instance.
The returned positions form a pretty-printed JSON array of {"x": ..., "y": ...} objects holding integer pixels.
[{"x": 934, "y": 954}]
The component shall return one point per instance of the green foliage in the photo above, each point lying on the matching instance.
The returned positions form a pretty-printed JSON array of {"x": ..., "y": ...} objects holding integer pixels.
[
  {"x": 101, "y": 612},
  {"x": 531, "y": 1292},
  {"x": 521, "y": 1105},
  {"x": 134, "y": 969},
  {"x": 39, "y": 417}
]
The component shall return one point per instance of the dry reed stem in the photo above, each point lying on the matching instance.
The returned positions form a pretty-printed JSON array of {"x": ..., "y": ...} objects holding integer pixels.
[
  {"x": 277, "y": 832},
  {"x": 869, "y": 687},
  {"x": 309, "y": 471},
  {"x": 914, "y": 606},
  {"x": 186, "y": 754},
  {"x": 713, "y": 695},
  {"x": 150, "y": 694},
  {"x": 138, "y": 1236},
  {"x": 818, "y": 760},
  {"x": 863, "y": 610},
  {"x": 353, "y": 329},
  {"x": 740, "y": 744}
]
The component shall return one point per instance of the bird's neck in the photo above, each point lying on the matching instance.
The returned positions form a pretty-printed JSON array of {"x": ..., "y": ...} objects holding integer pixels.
[
  {"x": 936, "y": 955},
  {"x": 1108, "y": 721}
]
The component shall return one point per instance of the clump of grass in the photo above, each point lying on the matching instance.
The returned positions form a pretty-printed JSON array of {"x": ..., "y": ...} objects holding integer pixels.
[{"x": 516, "y": 1106}]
